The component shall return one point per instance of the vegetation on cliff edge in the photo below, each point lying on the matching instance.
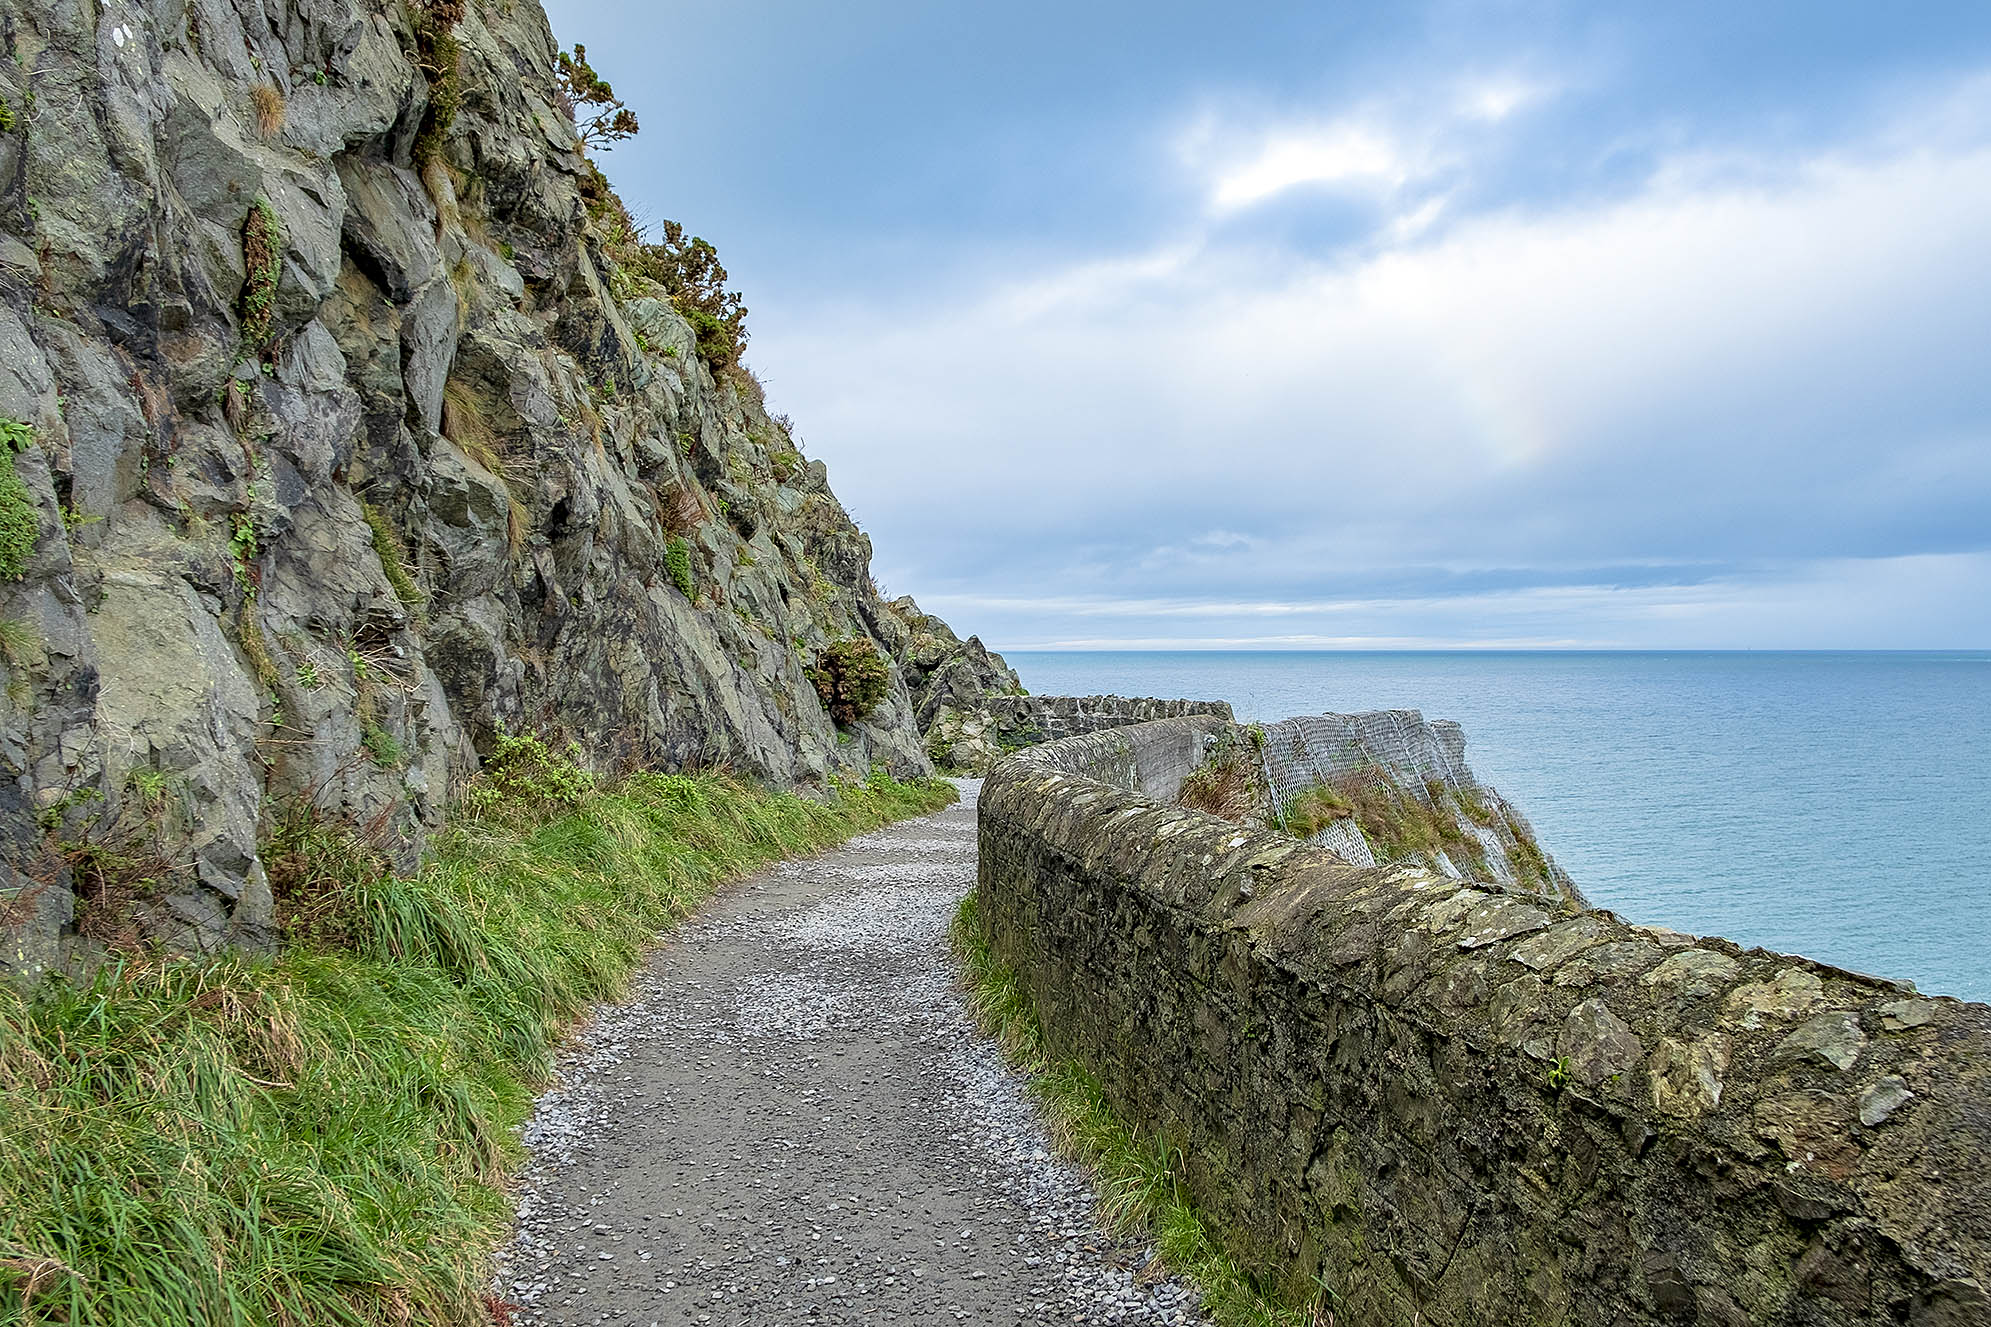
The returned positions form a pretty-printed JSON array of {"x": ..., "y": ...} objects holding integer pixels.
[{"x": 323, "y": 1136}]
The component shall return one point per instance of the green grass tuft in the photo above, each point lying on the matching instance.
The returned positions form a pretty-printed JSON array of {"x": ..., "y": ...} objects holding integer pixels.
[
  {"x": 17, "y": 640},
  {"x": 1311, "y": 810},
  {"x": 20, "y": 518},
  {"x": 381, "y": 746},
  {"x": 387, "y": 544},
  {"x": 323, "y": 1137},
  {"x": 677, "y": 559},
  {"x": 1138, "y": 1175}
]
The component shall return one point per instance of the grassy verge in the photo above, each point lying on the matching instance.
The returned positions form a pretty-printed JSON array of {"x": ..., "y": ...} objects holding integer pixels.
[
  {"x": 323, "y": 1137},
  {"x": 1137, "y": 1174}
]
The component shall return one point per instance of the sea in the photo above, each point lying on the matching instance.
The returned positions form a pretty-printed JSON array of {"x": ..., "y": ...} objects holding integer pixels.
[{"x": 1835, "y": 805}]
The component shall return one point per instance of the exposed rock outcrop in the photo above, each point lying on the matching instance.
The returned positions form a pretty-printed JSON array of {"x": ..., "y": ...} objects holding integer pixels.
[
  {"x": 948, "y": 677},
  {"x": 350, "y": 439},
  {"x": 1391, "y": 786}
]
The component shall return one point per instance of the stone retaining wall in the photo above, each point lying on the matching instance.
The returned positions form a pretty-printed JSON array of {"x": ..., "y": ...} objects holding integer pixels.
[
  {"x": 1455, "y": 1106},
  {"x": 971, "y": 740}
]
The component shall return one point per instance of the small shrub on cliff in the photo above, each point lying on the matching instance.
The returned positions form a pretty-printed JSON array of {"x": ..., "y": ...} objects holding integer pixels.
[
  {"x": 440, "y": 59},
  {"x": 851, "y": 677},
  {"x": 20, "y": 518},
  {"x": 523, "y": 774},
  {"x": 262, "y": 255},
  {"x": 605, "y": 120},
  {"x": 689, "y": 270}
]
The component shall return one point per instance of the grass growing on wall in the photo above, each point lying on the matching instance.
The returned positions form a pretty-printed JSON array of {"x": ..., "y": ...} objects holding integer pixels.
[
  {"x": 1138, "y": 1175},
  {"x": 322, "y": 1137}
]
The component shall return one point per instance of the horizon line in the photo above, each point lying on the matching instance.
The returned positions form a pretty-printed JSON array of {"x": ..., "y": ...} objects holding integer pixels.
[{"x": 1196, "y": 648}]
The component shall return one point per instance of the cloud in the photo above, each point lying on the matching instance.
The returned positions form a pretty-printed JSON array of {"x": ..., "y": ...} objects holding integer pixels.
[
  {"x": 1379, "y": 148},
  {"x": 1494, "y": 99},
  {"x": 1911, "y": 602},
  {"x": 1334, "y": 154},
  {"x": 1739, "y": 358}
]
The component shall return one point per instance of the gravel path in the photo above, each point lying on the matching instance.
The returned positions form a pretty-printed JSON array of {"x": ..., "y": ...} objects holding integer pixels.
[{"x": 795, "y": 1120}]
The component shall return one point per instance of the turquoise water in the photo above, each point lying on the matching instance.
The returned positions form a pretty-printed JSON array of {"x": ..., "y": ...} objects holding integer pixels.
[{"x": 1832, "y": 805}]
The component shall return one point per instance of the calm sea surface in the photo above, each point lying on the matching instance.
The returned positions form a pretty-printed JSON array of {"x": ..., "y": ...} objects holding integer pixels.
[{"x": 1832, "y": 805}]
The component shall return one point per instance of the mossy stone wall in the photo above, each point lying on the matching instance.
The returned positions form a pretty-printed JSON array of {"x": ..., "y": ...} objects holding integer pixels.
[{"x": 1458, "y": 1106}]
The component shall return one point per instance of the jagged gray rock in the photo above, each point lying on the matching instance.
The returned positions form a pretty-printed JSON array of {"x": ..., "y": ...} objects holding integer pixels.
[
  {"x": 950, "y": 679},
  {"x": 1422, "y": 762},
  {"x": 457, "y": 359}
]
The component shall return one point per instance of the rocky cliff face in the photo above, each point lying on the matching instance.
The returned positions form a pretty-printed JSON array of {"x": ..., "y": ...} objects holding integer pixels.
[
  {"x": 340, "y": 437},
  {"x": 1391, "y": 786}
]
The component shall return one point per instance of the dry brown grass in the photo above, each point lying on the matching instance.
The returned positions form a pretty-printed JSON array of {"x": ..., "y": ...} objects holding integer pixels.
[
  {"x": 267, "y": 100},
  {"x": 1223, "y": 787},
  {"x": 680, "y": 509},
  {"x": 748, "y": 384},
  {"x": 235, "y": 407},
  {"x": 467, "y": 423},
  {"x": 440, "y": 182},
  {"x": 117, "y": 862}
]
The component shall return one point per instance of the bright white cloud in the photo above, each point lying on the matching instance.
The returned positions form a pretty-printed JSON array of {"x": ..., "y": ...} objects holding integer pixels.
[
  {"x": 1335, "y": 154},
  {"x": 1377, "y": 148}
]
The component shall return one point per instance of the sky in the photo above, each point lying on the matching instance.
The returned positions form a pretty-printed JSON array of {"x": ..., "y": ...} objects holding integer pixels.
[{"x": 1323, "y": 325}]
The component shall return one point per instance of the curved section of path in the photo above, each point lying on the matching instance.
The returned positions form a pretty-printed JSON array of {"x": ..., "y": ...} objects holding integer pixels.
[{"x": 795, "y": 1120}]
